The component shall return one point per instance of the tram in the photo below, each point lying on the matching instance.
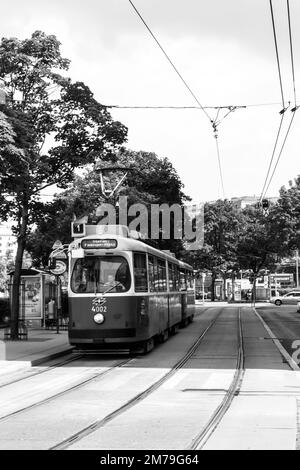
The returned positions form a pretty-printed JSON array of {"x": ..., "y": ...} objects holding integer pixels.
[{"x": 124, "y": 294}]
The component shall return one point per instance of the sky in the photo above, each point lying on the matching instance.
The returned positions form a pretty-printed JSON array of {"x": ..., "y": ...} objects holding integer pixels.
[{"x": 225, "y": 52}]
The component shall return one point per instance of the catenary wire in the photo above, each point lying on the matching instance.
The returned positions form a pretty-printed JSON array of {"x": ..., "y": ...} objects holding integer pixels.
[
  {"x": 170, "y": 61},
  {"x": 276, "y": 49},
  {"x": 272, "y": 157},
  {"x": 282, "y": 98},
  {"x": 220, "y": 168},
  {"x": 294, "y": 109},
  {"x": 185, "y": 83},
  {"x": 291, "y": 51},
  {"x": 116, "y": 106},
  {"x": 280, "y": 153}
]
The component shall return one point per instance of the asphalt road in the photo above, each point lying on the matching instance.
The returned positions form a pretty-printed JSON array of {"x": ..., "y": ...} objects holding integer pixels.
[
  {"x": 284, "y": 321},
  {"x": 169, "y": 398}
]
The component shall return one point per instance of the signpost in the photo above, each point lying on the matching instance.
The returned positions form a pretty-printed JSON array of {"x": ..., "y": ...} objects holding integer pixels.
[{"x": 60, "y": 268}]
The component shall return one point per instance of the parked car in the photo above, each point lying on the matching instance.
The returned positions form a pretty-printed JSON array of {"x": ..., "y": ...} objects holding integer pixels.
[{"x": 291, "y": 298}]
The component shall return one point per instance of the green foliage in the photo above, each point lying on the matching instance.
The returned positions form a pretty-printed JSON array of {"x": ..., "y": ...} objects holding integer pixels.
[
  {"x": 43, "y": 103},
  {"x": 152, "y": 180},
  {"x": 221, "y": 225}
]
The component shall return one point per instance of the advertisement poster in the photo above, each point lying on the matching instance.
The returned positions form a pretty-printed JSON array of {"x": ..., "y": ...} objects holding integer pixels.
[{"x": 32, "y": 297}]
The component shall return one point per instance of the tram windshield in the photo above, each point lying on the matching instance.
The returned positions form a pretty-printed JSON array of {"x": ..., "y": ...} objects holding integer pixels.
[{"x": 101, "y": 274}]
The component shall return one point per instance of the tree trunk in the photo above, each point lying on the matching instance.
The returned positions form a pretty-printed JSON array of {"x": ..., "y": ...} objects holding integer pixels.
[
  {"x": 224, "y": 287},
  {"x": 213, "y": 282},
  {"x": 15, "y": 299},
  {"x": 254, "y": 290}
]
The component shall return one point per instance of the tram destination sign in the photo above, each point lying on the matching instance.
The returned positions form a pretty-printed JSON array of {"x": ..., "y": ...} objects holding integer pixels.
[{"x": 98, "y": 244}]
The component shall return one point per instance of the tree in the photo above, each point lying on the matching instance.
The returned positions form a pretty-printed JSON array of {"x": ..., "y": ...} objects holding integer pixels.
[
  {"x": 218, "y": 255},
  {"x": 42, "y": 104},
  {"x": 260, "y": 243},
  {"x": 152, "y": 181},
  {"x": 286, "y": 217}
]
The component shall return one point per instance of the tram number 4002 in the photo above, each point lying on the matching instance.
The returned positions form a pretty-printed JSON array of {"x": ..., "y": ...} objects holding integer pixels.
[{"x": 100, "y": 309}]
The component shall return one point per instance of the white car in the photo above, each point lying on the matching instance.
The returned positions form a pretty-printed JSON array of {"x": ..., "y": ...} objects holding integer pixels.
[{"x": 291, "y": 298}]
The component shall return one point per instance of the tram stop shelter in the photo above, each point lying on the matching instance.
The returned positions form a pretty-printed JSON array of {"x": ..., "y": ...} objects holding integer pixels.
[{"x": 36, "y": 291}]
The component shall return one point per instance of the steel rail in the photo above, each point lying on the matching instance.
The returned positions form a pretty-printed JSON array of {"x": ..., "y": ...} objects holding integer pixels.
[
  {"x": 200, "y": 440},
  {"x": 39, "y": 372},
  {"x": 67, "y": 390},
  {"x": 136, "y": 399}
]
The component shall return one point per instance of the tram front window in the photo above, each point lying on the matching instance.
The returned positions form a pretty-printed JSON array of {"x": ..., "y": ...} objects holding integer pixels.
[{"x": 101, "y": 274}]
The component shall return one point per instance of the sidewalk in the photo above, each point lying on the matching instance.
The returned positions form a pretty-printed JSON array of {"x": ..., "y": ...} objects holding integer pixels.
[
  {"x": 41, "y": 346},
  {"x": 199, "y": 303}
]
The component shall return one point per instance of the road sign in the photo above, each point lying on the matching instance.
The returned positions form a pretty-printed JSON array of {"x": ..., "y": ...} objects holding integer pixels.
[
  {"x": 60, "y": 268},
  {"x": 57, "y": 244}
]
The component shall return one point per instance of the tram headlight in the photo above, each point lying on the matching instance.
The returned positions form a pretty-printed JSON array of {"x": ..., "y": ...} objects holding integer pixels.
[{"x": 99, "y": 318}]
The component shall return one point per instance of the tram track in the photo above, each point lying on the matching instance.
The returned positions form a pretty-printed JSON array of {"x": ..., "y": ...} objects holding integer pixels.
[
  {"x": 200, "y": 440},
  {"x": 45, "y": 369},
  {"x": 137, "y": 398},
  {"x": 67, "y": 390}
]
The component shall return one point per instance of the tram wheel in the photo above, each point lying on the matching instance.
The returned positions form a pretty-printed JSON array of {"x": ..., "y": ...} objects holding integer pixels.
[
  {"x": 148, "y": 345},
  {"x": 143, "y": 347},
  {"x": 174, "y": 329},
  {"x": 184, "y": 323},
  {"x": 162, "y": 338}
]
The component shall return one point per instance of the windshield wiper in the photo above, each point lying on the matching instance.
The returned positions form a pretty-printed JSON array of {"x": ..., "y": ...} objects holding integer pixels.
[{"x": 112, "y": 287}]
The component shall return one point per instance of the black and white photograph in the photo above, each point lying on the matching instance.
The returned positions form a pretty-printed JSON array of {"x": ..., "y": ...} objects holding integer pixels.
[{"x": 149, "y": 228}]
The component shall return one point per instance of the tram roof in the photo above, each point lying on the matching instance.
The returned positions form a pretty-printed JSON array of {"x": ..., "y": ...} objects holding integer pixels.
[{"x": 130, "y": 244}]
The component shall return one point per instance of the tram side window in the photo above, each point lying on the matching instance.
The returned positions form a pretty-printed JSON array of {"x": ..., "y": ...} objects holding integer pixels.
[
  {"x": 151, "y": 273},
  {"x": 173, "y": 277},
  {"x": 190, "y": 280},
  {"x": 140, "y": 272},
  {"x": 162, "y": 284},
  {"x": 177, "y": 275},
  {"x": 182, "y": 281},
  {"x": 156, "y": 274}
]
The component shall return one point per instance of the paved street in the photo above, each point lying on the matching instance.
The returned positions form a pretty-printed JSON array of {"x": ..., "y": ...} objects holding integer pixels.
[{"x": 173, "y": 398}]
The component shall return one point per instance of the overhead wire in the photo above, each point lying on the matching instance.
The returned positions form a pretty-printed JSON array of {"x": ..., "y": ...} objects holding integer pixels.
[
  {"x": 291, "y": 51},
  {"x": 116, "y": 106},
  {"x": 186, "y": 85},
  {"x": 169, "y": 60},
  {"x": 282, "y": 112}
]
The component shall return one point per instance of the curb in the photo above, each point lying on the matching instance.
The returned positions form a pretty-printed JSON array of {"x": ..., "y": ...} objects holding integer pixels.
[{"x": 54, "y": 355}]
